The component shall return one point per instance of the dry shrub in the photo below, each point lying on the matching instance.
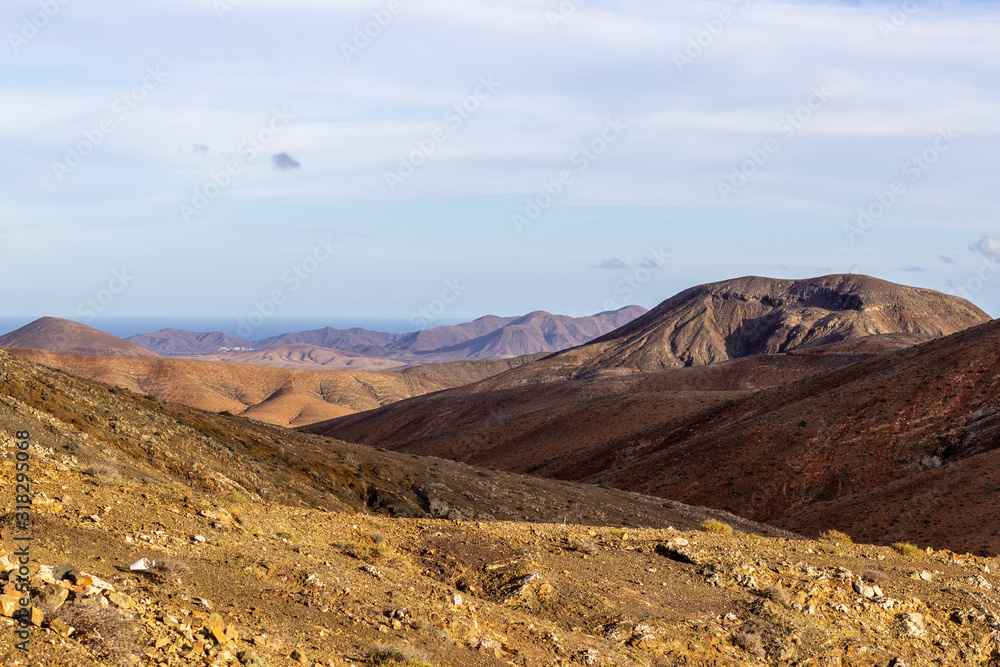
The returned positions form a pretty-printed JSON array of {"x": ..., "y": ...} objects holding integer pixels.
[
  {"x": 908, "y": 550},
  {"x": 108, "y": 631},
  {"x": 778, "y": 595},
  {"x": 875, "y": 577},
  {"x": 713, "y": 526},
  {"x": 169, "y": 569},
  {"x": 751, "y": 643},
  {"x": 583, "y": 546},
  {"x": 836, "y": 536},
  {"x": 396, "y": 655}
]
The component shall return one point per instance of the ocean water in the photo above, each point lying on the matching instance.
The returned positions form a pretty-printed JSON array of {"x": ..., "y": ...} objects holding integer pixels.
[{"x": 123, "y": 327}]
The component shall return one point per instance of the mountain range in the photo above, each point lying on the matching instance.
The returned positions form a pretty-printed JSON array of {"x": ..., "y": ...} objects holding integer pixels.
[{"x": 488, "y": 337}]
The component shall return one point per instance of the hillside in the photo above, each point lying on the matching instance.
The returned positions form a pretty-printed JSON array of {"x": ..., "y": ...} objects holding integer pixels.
[
  {"x": 274, "y": 395},
  {"x": 899, "y": 446},
  {"x": 753, "y": 316},
  {"x": 50, "y": 333},
  {"x": 488, "y": 337},
  {"x": 271, "y": 547},
  {"x": 524, "y": 427},
  {"x": 303, "y": 356}
]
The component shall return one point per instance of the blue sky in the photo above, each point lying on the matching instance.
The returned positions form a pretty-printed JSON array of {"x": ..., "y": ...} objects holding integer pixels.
[{"x": 231, "y": 158}]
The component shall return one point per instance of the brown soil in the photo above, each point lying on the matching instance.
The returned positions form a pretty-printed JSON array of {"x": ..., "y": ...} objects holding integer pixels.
[{"x": 308, "y": 558}]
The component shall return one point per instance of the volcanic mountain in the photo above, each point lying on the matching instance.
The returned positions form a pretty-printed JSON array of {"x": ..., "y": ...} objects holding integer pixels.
[
  {"x": 58, "y": 335},
  {"x": 755, "y": 316},
  {"x": 759, "y": 333}
]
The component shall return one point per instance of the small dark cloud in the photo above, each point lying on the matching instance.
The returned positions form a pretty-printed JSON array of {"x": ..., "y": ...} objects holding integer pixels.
[
  {"x": 781, "y": 267},
  {"x": 914, "y": 268},
  {"x": 200, "y": 149},
  {"x": 285, "y": 162},
  {"x": 613, "y": 263},
  {"x": 948, "y": 260}
]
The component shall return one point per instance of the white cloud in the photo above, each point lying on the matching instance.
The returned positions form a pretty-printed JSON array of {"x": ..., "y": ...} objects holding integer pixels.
[{"x": 989, "y": 247}]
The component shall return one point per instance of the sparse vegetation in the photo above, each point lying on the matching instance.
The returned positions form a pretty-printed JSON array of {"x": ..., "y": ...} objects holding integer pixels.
[
  {"x": 751, "y": 643},
  {"x": 169, "y": 569},
  {"x": 396, "y": 656},
  {"x": 908, "y": 550},
  {"x": 110, "y": 632},
  {"x": 583, "y": 545},
  {"x": 836, "y": 537},
  {"x": 714, "y": 526},
  {"x": 103, "y": 473},
  {"x": 875, "y": 577},
  {"x": 778, "y": 595}
]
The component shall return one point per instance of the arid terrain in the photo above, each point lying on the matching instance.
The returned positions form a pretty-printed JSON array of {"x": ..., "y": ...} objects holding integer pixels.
[
  {"x": 836, "y": 435},
  {"x": 271, "y": 547},
  {"x": 488, "y": 337},
  {"x": 52, "y": 333},
  {"x": 274, "y": 395},
  {"x": 858, "y": 416}
]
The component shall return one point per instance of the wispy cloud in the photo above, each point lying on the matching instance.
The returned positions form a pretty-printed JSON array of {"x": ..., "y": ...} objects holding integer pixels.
[{"x": 613, "y": 263}]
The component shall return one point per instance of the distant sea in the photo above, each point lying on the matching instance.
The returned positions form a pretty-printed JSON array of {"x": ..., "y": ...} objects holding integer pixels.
[{"x": 123, "y": 327}]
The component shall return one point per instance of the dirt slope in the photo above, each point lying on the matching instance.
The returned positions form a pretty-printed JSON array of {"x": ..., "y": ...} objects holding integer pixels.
[
  {"x": 275, "y": 395},
  {"x": 271, "y": 547},
  {"x": 523, "y": 428},
  {"x": 857, "y": 447}
]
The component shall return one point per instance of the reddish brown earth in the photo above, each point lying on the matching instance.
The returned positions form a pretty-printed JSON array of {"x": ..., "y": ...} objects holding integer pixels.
[
  {"x": 51, "y": 333},
  {"x": 274, "y": 395},
  {"x": 904, "y": 446},
  {"x": 303, "y": 356},
  {"x": 522, "y": 428},
  {"x": 886, "y": 449}
]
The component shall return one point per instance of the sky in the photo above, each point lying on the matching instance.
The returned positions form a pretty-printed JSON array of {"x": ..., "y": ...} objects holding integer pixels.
[{"x": 440, "y": 160}]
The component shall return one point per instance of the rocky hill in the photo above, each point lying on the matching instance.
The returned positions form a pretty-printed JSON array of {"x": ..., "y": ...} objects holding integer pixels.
[
  {"x": 754, "y": 316},
  {"x": 858, "y": 447},
  {"x": 270, "y": 547},
  {"x": 58, "y": 335}
]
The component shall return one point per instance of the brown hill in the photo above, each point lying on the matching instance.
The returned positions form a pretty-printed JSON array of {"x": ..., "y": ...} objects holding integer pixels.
[
  {"x": 303, "y": 356},
  {"x": 901, "y": 446},
  {"x": 58, "y": 335},
  {"x": 523, "y": 428},
  {"x": 753, "y": 316},
  {"x": 885, "y": 449},
  {"x": 271, "y": 547},
  {"x": 274, "y": 395}
]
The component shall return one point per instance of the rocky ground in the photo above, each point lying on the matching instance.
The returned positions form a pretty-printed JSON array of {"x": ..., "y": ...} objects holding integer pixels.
[{"x": 270, "y": 547}]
